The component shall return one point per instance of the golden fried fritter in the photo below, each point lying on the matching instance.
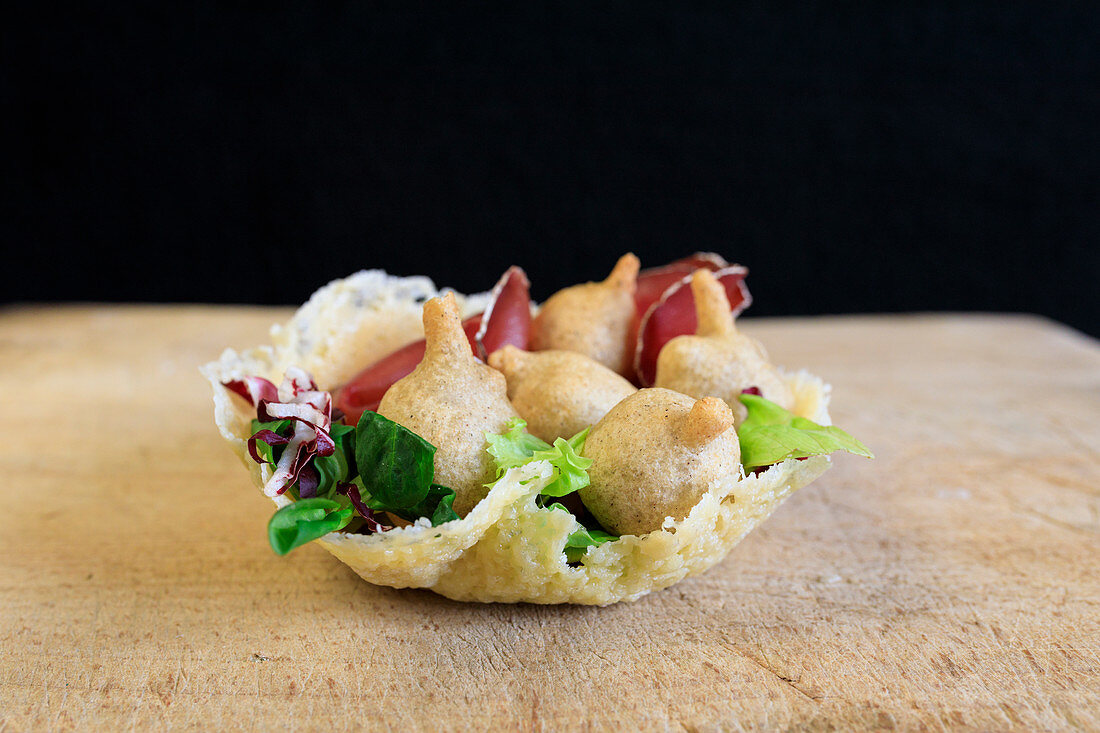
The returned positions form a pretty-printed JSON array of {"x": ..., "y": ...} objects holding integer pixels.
[
  {"x": 593, "y": 319},
  {"x": 558, "y": 393},
  {"x": 451, "y": 400},
  {"x": 718, "y": 361},
  {"x": 654, "y": 455}
]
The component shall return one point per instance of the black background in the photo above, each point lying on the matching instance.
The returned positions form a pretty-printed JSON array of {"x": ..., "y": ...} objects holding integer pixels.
[{"x": 856, "y": 156}]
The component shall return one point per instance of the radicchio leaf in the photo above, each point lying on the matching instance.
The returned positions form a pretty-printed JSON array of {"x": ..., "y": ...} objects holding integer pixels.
[
  {"x": 268, "y": 436},
  {"x": 310, "y": 410},
  {"x": 305, "y": 412},
  {"x": 253, "y": 389},
  {"x": 296, "y": 381},
  {"x": 308, "y": 481},
  {"x": 370, "y": 519},
  {"x": 294, "y": 458}
]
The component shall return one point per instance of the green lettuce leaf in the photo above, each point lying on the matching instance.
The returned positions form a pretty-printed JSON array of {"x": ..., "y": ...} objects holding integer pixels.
[
  {"x": 516, "y": 447},
  {"x": 304, "y": 521},
  {"x": 771, "y": 434}
]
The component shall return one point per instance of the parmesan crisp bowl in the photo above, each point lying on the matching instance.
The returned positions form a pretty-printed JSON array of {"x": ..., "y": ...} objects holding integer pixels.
[{"x": 506, "y": 549}]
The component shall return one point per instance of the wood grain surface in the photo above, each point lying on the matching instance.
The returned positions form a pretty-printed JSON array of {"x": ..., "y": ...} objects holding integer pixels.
[{"x": 953, "y": 583}]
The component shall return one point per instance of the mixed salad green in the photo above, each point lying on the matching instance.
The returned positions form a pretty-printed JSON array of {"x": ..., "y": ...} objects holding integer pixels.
[
  {"x": 378, "y": 468},
  {"x": 396, "y": 464}
]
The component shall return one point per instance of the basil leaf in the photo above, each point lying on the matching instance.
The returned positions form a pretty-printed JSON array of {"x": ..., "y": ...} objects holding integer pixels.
[
  {"x": 336, "y": 468},
  {"x": 577, "y": 543},
  {"x": 444, "y": 509},
  {"x": 516, "y": 447},
  {"x": 282, "y": 427},
  {"x": 771, "y": 434},
  {"x": 438, "y": 505},
  {"x": 338, "y": 429},
  {"x": 344, "y": 437},
  {"x": 366, "y": 496},
  {"x": 396, "y": 464},
  {"x": 304, "y": 521},
  {"x": 395, "y": 468},
  {"x": 266, "y": 452}
]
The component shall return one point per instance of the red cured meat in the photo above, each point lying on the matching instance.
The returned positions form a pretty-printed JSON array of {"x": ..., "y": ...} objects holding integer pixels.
[
  {"x": 674, "y": 315},
  {"x": 508, "y": 322}
]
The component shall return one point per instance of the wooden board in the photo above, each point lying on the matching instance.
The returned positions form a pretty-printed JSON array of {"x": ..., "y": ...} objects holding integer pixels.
[{"x": 953, "y": 583}]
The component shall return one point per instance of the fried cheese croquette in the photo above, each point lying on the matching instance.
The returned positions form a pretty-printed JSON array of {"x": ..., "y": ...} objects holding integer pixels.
[
  {"x": 654, "y": 455},
  {"x": 718, "y": 361},
  {"x": 451, "y": 400},
  {"x": 559, "y": 393},
  {"x": 593, "y": 319}
]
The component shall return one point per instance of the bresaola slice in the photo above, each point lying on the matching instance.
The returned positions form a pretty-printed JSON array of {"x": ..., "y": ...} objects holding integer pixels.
[
  {"x": 654, "y": 281},
  {"x": 661, "y": 316},
  {"x": 506, "y": 320},
  {"x": 674, "y": 315}
]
